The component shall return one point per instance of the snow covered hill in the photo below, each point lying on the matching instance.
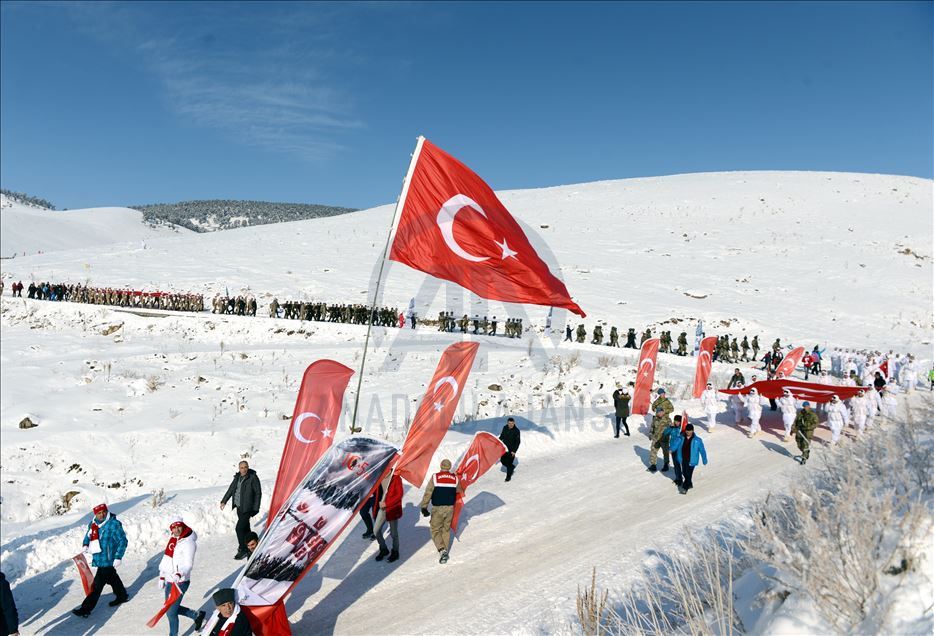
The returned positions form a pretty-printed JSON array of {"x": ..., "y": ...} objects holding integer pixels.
[
  {"x": 837, "y": 258},
  {"x": 130, "y": 405},
  {"x": 25, "y": 230}
]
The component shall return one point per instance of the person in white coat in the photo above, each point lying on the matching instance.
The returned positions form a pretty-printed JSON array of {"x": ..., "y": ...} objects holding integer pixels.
[
  {"x": 874, "y": 405},
  {"x": 860, "y": 406},
  {"x": 711, "y": 404},
  {"x": 754, "y": 403},
  {"x": 178, "y": 560},
  {"x": 837, "y": 417},
  {"x": 910, "y": 374},
  {"x": 887, "y": 398},
  {"x": 789, "y": 408}
]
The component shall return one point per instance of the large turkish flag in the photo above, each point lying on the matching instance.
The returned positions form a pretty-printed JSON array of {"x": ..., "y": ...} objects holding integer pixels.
[
  {"x": 452, "y": 226},
  {"x": 704, "y": 364},
  {"x": 790, "y": 362},
  {"x": 484, "y": 451},
  {"x": 314, "y": 422}
]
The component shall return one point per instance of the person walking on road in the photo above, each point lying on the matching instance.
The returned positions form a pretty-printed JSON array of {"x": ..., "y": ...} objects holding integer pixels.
[{"x": 247, "y": 493}]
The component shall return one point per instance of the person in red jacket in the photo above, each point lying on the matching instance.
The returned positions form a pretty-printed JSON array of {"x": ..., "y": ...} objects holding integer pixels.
[
  {"x": 807, "y": 361},
  {"x": 388, "y": 508}
]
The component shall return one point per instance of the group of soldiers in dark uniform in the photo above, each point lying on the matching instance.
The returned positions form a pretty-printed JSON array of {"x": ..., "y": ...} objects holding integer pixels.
[
  {"x": 116, "y": 297},
  {"x": 234, "y": 306},
  {"x": 355, "y": 314},
  {"x": 512, "y": 328},
  {"x": 727, "y": 349}
]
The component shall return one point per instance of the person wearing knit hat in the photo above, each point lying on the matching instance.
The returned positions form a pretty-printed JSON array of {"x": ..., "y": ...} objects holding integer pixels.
[
  {"x": 178, "y": 560},
  {"x": 231, "y": 621},
  {"x": 442, "y": 492},
  {"x": 690, "y": 450},
  {"x": 106, "y": 542}
]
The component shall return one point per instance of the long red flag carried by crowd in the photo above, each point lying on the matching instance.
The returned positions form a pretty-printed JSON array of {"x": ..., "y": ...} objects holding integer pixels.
[
  {"x": 811, "y": 391},
  {"x": 790, "y": 362},
  {"x": 485, "y": 450},
  {"x": 453, "y": 226},
  {"x": 704, "y": 364},
  {"x": 314, "y": 421},
  {"x": 645, "y": 376},
  {"x": 436, "y": 412}
]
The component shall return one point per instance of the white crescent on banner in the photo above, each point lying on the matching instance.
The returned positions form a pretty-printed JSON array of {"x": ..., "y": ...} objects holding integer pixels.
[
  {"x": 475, "y": 458},
  {"x": 705, "y": 358},
  {"x": 297, "y": 427},
  {"x": 651, "y": 365},
  {"x": 448, "y": 379},
  {"x": 446, "y": 224}
]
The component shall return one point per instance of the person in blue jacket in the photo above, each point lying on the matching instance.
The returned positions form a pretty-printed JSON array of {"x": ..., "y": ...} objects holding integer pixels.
[
  {"x": 106, "y": 542},
  {"x": 690, "y": 450},
  {"x": 672, "y": 432}
]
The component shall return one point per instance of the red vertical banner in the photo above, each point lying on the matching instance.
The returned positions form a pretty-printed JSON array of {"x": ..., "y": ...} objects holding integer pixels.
[
  {"x": 436, "y": 411},
  {"x": 645, "y": 376},
  {"x": 790, "y": 362},
  {"x": 484, "y": 451},
  {"x": 704, "y": 364},
  {"x": 314, "y": 423}
]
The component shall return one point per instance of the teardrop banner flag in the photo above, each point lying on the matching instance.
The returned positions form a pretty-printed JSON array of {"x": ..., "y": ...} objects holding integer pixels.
[{"x": 645, "y": 376}]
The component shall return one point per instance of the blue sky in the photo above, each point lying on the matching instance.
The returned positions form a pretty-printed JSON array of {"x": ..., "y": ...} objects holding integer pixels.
[{"x": 115, "y": 104}]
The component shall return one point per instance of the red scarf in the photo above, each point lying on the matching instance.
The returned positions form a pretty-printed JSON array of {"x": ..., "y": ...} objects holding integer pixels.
[
  {"x": 95, "y": 528},
  {"x": 170, "y": 547}
]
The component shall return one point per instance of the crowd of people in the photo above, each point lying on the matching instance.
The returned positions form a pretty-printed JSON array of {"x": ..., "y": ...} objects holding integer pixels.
[
  {"x": 447, "y": 321},
  {"x": 353, "y": 314},
  {"x": 78, "y": 293}
]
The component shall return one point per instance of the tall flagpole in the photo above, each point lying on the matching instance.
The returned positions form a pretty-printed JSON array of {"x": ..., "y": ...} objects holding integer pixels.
[{"x": 400, "y": 202}]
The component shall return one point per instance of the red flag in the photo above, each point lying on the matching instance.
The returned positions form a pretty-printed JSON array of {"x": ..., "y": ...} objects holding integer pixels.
[
  {"x": 452, "y": 226},
  {"x": 174, "y": 594},
  {"x": 84, "y": 571},
  {"x": 790, "y": 362},
  {"x": 684, "y": 420},
  {"x": 436, "y": 412},
  {"x": 484, "y": 451},
  {"x": 268, "y": 620},
  {"x": 314, "y": 422},
  {"x": 884, "y": 368},
  {"x": 704, "y": 364},
  {"x": 645, "y": 376},
  {"x": 810, "y": 391}
]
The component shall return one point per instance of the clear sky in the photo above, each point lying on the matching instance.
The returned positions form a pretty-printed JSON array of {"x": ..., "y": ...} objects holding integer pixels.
[{"x": 116, "y": 104}]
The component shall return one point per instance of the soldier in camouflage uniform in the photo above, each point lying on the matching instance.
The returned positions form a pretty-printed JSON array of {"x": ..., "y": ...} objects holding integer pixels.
[
  {"x": 803, "y": 430},
  {"x": 614, "y": 337},
  {"x": 683, "y": 344},
  {"x": 755, "y": 348},
  {"x": 744, "y": 345},
  {"x": 646, "y": 336},
  {"x": 660, "y": 422},
  {"x": 581, "y": 333},
  {"x": 597, "y": 335},
  {"x": 662, "y": 402},
  {"x": 734, "y": 350},
  {"x": 630, "y": 339}
]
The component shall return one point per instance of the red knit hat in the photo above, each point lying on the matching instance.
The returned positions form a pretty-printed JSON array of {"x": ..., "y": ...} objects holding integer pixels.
[{"x": 99, "y": 508}]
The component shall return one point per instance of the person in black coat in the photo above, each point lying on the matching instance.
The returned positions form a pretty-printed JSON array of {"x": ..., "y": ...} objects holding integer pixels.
[
  {"x": 510, "y": 437},
  {"x": 621, "y": 400},
  {"x": 9, "y": 619},
  {"x": 247, "y": 493}
]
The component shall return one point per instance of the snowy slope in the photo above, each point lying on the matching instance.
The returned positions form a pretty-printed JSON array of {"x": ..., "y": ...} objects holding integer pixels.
[
  {"x": 129, "y": 405},
  {"x": 25, "y": 230},
  {"x": 756, "y": 250}
]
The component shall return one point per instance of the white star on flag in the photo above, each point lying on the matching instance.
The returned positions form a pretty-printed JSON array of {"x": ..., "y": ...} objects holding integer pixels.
[{"x": 506, "y": 251}]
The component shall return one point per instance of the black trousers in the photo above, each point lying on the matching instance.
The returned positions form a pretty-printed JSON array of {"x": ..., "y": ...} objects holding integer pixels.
[
  {"x": 243, "y": 528},
  {"x": 688, "y": 471},
  {"x": 679, "y": 474},
  {"x": 621, "y": 421},
  {"x": 104, "y": 576},
  {"x": 507, "y": 461},
  {"x": 365, "y": 513}
]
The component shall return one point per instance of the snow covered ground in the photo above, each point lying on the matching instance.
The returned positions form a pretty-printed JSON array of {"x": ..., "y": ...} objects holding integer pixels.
[
  {"x": 25, "y": 230},
  {"x": 128, "y": 405}
]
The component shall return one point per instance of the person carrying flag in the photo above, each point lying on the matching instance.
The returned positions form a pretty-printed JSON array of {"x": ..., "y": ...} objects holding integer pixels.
[
  {"x": 106, "y": 542},
  {"x": 178, "y": 560},
  {"x": 442, "y": 493}
]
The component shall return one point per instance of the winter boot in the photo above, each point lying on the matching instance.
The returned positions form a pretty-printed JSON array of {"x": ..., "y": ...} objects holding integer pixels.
[
  {"x": 653, "y": 468},
  {"x": 678, "y": 483},
  {"x": 199, "y": 621},
  {"x": 119, "y": 601},
  {"x": 80, "y": 612},
  {"x": 393, "y": 556},
  {"x": 382, "y": 554},
  {"x": 369, "y": 535},
  {"x": 444, "y": 557},
  {"x": 665, "y": 468}
]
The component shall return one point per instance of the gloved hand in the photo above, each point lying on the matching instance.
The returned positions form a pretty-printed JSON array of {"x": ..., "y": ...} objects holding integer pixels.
[
  {"x": 178, "y": 577},
  {"x": 425, "y": 512},
  {"x": 117, "y": 562},
  {"x": 161, "y": 583}
]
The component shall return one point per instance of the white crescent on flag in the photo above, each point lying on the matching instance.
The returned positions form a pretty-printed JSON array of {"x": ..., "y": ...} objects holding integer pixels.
[
  {"x": 297, "y": 427},
  {"x": 446, "y": 224}
]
